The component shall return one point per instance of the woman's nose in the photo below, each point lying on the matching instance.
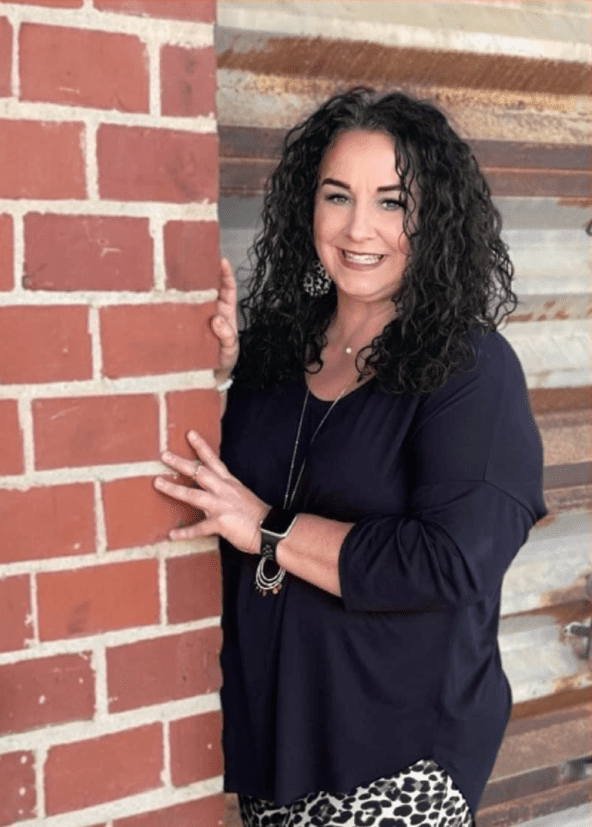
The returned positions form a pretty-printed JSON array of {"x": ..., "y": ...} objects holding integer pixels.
[{"x": 360, "y": 224}]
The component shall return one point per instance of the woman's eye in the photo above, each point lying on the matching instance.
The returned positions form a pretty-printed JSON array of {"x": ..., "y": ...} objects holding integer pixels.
[
  {"x": 337, "y": 198},
  {"x": 393, "y": 204}
]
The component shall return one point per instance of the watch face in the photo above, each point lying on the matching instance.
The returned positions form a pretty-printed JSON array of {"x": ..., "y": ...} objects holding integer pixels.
[{"x": 278, "y": 521}]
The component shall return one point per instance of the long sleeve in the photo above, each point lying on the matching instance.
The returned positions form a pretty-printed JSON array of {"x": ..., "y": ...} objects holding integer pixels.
[{"x": 474, "y": 469}]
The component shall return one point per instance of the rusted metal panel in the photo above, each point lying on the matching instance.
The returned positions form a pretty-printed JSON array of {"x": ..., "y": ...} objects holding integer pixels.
[
  {"x": 552, "y": 569},
  {"x": 553, "y": 353},
  {"x": 539, "y": 183},
  {"x": 248, "y": 176},
  {"x": 254, "y": 142},
  {"x": 371, "y": 63},
  {"x": 536, "y": 659},
  {"x": 544, "y": 740},
  {"x": 250, "y": 142},
  {"x": 571, "y": 498},
  {"x": 539, "y": 753},
  {"x": 245, "y": 176},
  {"x": 566, "y": 435},
  {"x": 579, "y": 816},
  {"x": 518, "y": 27},
  {"x": 538, "y": 308},
  {"x": 275, "y": 101},
  {"x": 524, "y": 808},
  {"x": 568, "y": 699},
  {"x": 513, "y": 168},
  {"x": 547, "y": 589},
  {"x": 542, "y": 215},
  {"x": 550, "y": 261},
  {"x": 560, "y": 476},
  {"x": 530, "y": 155},
  {"x": 524, "y": 782},
  {"x": 546, "y": 400}
]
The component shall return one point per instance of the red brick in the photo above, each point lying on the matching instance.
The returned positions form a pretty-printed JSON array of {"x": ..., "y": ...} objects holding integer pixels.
[
  {"x": 54, "y": 521},
  {"x": 206, "y": 812},
  {"x": 149, "y": 521},
  {"x": 188, "y": 81},
  {"x": 97, "y": 599},
  {"x": 17, "y": 782},
  {"x": 95, "y": 430},
  {"x": 83, "y": 68},
  {"x": 44, "y": 344},
  {"x": 46, "y": 691},
  {"x": 203, "y": 11},
  {"x": 11, "y": 453},
  {"x": 6, "y": 253},
  {"x": 161, "y": 670},
  {"x": 65, "y": 4},
  {"x": 196, "y": 748},
  {"x": 193, "y": 587},
  {"x": 192, "y": 255},
  {"x": 5, "y": 57},
  {"x": 113, "y": 766},
  {"x": 198, "y": 410},
  {"x": 145, "y": 164},
  {"x": 157, "y": 338},
  {"x": 15, "y": 611},
  {"x": 67, "y": 252},
  {"x": 41, "y": 160}
]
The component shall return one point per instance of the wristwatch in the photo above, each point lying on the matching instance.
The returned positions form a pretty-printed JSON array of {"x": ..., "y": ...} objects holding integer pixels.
[{"x": 275, "y": 526}]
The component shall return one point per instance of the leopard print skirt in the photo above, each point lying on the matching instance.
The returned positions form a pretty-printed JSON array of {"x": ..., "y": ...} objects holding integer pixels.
[{"x": 423, "y": 795}]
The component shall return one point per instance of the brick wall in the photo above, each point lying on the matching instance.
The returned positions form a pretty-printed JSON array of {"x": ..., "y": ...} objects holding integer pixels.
[{"x": 109, "y": 633}]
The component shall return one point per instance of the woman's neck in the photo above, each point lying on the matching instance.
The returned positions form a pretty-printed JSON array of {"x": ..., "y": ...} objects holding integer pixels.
[{"x": 356, "y": 324}]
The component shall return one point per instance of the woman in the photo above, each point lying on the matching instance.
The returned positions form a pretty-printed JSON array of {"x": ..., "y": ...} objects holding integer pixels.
[{"x": 381, "y": 470}]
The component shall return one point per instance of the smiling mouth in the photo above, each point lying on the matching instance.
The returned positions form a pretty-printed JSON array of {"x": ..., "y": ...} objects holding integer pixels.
[{"x": 362, "y": 258}]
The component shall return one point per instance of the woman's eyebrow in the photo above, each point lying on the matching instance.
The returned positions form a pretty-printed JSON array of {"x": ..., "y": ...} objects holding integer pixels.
[{"x": 336, "y": 183}]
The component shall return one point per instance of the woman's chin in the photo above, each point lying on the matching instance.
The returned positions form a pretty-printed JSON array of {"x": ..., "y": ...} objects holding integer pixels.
[{"x": 358, "y": 294}]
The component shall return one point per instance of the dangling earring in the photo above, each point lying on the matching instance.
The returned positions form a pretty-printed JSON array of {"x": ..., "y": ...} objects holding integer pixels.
[{"x": 316, "y": 282}]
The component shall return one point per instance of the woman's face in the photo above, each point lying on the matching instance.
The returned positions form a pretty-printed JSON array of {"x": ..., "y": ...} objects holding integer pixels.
[{"x": 358, "y": 216}]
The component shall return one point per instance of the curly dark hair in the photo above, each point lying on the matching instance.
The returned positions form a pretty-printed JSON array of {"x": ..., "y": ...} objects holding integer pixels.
[{"x": 458, "y": 274}]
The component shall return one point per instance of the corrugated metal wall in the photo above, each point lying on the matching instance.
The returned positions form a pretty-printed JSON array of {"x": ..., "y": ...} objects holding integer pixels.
[{"x": 514, "y": 77}]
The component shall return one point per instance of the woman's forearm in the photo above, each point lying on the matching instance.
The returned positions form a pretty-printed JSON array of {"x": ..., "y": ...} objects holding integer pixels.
[{"x": 311, "y": 551}]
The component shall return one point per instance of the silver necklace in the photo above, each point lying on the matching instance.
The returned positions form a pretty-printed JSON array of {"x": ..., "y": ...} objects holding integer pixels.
[{"x": 273, "y": 583}]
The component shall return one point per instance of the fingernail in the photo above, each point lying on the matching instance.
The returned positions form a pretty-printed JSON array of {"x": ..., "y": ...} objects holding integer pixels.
[
  {"x": 165, "y": 455},
  {"x": 158, "y": 482},
  {"x": 192, "y": 435}
]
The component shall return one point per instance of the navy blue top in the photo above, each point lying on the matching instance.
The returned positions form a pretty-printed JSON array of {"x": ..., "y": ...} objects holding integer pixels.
[{"x": 326, "y": 693}]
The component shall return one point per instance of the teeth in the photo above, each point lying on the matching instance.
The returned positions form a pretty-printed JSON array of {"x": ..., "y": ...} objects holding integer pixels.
[{"x": 361, "y": 259}]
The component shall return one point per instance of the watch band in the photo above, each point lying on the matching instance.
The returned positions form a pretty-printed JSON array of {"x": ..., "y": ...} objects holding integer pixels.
[{"x": 275, "y": 526}]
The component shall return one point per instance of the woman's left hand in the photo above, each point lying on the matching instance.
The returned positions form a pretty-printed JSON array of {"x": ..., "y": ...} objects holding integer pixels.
[{"x": 230, "y": 509}]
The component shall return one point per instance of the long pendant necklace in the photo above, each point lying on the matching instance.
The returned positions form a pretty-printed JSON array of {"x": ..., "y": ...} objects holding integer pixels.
[{"x": 273, "y": 583}]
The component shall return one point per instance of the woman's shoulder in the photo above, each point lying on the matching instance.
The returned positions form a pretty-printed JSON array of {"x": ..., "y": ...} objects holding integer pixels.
[
  {"x": 494, "y": 356},
  {"x": 492, "y": 344},
  {"x": 489, "y": 372}
]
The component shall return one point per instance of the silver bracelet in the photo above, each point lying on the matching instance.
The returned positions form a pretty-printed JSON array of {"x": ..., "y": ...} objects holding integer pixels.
[{"x": 224, "y": 386}]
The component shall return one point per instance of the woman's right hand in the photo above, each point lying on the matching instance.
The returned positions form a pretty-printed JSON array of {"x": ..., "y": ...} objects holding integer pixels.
[{"x": 224, "y": 324}]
